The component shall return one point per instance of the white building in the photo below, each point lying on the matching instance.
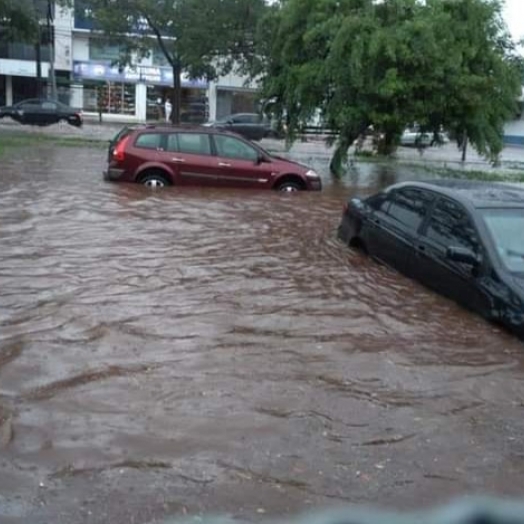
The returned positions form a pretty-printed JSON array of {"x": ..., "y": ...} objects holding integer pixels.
[{"x": 87, "y": 79}]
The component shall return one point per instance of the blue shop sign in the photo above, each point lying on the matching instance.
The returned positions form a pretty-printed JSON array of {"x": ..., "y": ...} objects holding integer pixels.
[{"x": 162, "y": 76}]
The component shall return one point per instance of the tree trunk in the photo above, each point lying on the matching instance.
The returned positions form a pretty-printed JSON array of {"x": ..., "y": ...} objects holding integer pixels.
[
  {"x": 464, "y": 146},
  {"x": 336, "y": 166},
  {"x": 386, "y": 145},
  {"x": 176, "y": 97},
  {"x": 344, "y": 142}
]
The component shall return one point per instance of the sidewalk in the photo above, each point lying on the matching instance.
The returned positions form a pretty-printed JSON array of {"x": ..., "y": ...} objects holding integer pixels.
[{"x": 512, "y": 158}]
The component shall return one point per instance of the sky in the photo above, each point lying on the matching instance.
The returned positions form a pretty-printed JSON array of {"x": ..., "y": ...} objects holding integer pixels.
[{"x": 514, "y": 15}]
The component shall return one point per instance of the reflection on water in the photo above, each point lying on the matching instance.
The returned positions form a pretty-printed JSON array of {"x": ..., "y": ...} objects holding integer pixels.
[{"x": 206, "y": 350}]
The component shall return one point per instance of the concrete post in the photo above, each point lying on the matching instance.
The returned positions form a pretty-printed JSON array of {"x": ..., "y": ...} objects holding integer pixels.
[
  {"x": 212, "y": 100},
  {"x": 141, "y": 102},
  {"x": 8, "y": 90}
]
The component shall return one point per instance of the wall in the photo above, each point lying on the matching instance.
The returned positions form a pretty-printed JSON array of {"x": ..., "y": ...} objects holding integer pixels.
[
  {"x": 63, "y": 39},
  {"x": 10, "y": 67}
]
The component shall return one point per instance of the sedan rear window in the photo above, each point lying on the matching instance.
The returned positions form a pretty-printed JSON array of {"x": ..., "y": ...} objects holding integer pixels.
[
  {"x": 506, "y": 227},
  {"x": 450, "y": 226},
  {"x": 409, "y": 207}
]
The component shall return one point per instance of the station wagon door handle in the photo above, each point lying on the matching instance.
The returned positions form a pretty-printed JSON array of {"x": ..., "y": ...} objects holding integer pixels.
[
  {"x": 178, "y": 160},
  {"x": 224, "y": 164}
]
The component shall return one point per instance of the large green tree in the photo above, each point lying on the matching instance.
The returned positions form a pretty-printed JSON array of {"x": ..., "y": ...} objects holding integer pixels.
[
  {"x": 18, "y": 20},
  {"x": 202, "y": 38},
  {"x": 362, "y": 63}
]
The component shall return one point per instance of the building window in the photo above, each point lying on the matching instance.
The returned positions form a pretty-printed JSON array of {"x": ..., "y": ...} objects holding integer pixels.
[
  {"x": 103, "y": 51},
  {"x": 158, "y": 58},
  {"x": 232, "y": 101}
]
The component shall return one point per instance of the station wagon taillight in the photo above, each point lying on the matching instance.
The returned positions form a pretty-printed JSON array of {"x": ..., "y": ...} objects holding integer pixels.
[{"x": 119, "y": 152}]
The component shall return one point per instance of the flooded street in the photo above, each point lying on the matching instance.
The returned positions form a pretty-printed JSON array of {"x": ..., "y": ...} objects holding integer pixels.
[{"x": 212, "y": 351}]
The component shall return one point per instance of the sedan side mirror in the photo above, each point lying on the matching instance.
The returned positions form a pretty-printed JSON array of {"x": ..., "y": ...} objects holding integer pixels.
[{"x": 463, "y": 255}]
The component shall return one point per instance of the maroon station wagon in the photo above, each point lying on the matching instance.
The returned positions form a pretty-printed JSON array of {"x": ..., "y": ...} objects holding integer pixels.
[{"x": 158, "y": 156}]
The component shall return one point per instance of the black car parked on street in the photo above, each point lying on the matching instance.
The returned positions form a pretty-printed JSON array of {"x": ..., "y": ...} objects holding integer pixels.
[
  {"x": 42, "y": 112},
  {"x": 250, "y": 125},
  {"x": 462, "y": 239}
]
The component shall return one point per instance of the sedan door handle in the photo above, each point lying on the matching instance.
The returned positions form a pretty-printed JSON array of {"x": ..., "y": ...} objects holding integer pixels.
[
  {"x": 224, "y": 164},
  {"x": 421, "y": 248},
  {"x": 178, "y": 160}
]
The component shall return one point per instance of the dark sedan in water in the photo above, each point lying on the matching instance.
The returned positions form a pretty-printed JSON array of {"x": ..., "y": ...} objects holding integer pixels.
[
  {"x": 42, "y": 112},
  {"x": 463, "y": 239}
]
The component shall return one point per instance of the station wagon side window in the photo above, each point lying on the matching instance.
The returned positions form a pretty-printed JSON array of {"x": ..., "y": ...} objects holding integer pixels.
[
  {"x": 149, "y": 141},
  {"x": 172, "y": 142},
  {"x": 194, "y": 143},
  {"x": 409, "y": 207},
  {"x": 231, "y": 147},
  {"x": 450, "y": 225}
]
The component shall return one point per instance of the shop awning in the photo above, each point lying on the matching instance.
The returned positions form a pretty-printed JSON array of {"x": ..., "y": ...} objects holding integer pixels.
[{"x": 162, "y": 76}]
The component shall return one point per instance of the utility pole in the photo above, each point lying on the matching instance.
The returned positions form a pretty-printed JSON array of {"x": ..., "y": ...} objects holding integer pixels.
[
  {"x": 38, "y": 57},
  {"x": 51, "y": 37}
]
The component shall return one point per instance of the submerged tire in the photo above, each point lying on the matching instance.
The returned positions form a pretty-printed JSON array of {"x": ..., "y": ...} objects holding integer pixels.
[
  {"x": 154, "y": 180},
  {"x": 289, "y": 186}
]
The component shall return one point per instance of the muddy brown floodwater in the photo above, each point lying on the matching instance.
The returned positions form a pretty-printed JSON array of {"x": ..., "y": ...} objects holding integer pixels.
[{"x": 210, "y": 351}]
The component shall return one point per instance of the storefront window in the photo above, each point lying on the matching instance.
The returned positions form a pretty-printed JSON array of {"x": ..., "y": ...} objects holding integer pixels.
[
  {"x": 194, "y": 104},
  {"x": 110, "y": 97},
  {"x": 23, "y": 87}
]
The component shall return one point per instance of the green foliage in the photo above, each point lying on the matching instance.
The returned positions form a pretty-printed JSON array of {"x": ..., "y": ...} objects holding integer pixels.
[
  {"x": 203, "y": 38},
  {"x": 441, "y": 63},
  {"x": 18, "y": 21},
  {"x": 19, "y": 18}
]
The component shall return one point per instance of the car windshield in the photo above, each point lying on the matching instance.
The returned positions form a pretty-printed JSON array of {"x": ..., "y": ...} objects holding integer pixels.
[
  {"x": 60, "y": 105},
  {"x": 506, "y": 227}
]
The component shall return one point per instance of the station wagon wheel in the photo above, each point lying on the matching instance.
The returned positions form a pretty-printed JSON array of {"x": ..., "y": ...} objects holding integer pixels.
[
  {"x": 154, "y": 180},
  {"x": 289, "y": 187}
]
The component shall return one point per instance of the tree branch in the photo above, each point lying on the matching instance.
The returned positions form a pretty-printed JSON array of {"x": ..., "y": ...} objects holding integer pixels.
[{"x": 173, "y": 61}]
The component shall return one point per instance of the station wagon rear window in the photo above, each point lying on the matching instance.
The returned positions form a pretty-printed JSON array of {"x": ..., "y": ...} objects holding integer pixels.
[{"x": 149, "y": 141}]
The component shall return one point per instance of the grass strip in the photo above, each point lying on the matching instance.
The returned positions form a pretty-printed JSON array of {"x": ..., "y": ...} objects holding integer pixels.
[{"x": 10, "y": 141}]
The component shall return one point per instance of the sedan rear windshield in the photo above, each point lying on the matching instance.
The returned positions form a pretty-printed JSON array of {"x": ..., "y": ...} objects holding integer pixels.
[{"x": 506, "y": 227}]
